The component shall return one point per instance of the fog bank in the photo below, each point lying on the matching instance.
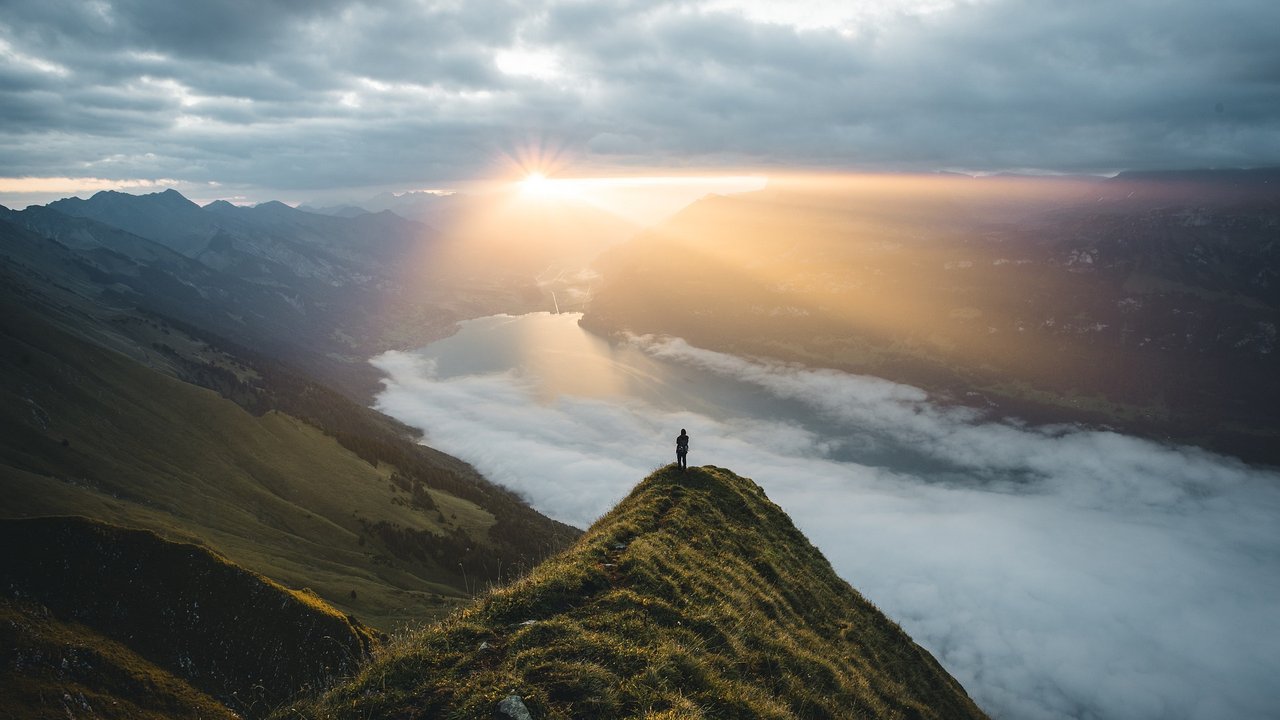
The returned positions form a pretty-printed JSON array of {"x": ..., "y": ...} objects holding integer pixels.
[{"x": 1057, "y": 573}]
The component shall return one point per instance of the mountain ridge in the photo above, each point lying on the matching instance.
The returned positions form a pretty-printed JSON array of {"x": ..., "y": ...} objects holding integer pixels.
[{"x": 695, "y": 596}]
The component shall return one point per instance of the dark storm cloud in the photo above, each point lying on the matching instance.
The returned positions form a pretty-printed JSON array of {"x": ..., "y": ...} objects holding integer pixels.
[
  {"x": 225, "y": 30},
  {"x": 1133, "y": 84},
  {"x": 304, "y": 94},
  {"x": 408, "y": 42}
]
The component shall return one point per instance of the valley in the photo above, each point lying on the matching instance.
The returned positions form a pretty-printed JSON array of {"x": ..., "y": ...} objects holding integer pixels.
[{"x": 1143, "y": 303}]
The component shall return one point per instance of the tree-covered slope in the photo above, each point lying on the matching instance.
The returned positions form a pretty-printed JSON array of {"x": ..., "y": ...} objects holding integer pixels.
[{"x": 695, "y": 597}]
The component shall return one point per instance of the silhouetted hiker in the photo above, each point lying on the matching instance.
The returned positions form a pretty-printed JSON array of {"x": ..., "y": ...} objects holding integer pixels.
[{"x": 682, "y": 448}]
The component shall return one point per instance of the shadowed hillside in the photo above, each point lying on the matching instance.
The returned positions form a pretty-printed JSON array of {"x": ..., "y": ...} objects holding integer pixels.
[
  {"x": 54, "y": 670},
  {"x": 695, "y": 597},
  {"x": 122, "y": 415},
  {"x": 229, "y": 632}
]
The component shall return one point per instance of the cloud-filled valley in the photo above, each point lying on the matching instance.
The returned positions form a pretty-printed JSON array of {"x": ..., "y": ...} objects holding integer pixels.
[{"x": 1056, "y": 572}]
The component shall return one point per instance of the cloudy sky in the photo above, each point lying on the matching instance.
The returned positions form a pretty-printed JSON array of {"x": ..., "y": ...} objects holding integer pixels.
[{"x": 302, "y": 99}]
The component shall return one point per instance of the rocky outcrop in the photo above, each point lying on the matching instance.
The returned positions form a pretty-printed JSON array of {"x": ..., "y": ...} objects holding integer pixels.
[{"x": 230, "y": 633}]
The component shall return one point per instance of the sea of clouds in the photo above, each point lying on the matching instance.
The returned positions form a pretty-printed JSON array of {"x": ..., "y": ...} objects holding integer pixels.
[{"x": 1056, "y": 572}]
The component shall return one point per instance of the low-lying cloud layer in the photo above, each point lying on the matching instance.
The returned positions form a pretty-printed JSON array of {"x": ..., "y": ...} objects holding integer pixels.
[
  {"x": 1057, "y": 573},
  {"x": 303, "y": 97}
]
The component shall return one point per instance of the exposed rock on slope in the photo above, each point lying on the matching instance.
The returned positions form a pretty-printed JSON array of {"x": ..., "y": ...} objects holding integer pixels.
[
  {"x": 229, "y": 632},
  {"x": 695, "y": 597},
  {"x": 54, "y": 670}
]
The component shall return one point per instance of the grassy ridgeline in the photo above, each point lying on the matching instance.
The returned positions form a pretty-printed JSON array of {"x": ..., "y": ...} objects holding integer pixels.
[{"x": 694, "y": 597}]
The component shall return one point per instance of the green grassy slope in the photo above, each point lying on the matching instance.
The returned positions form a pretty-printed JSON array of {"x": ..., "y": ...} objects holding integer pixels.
[
  {"x": 695, "y": 597},
  {"x": 93, "y": 432},
  {"x": 148, "y": 611}
]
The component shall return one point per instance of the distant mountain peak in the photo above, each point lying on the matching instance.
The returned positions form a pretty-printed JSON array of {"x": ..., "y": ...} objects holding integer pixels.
[
  {"x": 169, "y": 197},
  {"x": 176, "y": 198},
  {"x": 220, "y": 205},
  {"x": 276, "y": 210}
]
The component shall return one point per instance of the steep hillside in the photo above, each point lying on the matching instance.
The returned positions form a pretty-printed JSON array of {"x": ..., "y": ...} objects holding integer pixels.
[
  {"x": 51, "y": 669},
  {"x": 228, "y": 632},
  {"x": 695, "y": 597},
  {"x": 103, "y": 416}
]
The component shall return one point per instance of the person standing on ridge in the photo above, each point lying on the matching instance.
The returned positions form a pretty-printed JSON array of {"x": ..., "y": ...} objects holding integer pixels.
[{"x": 682, "y": 448}]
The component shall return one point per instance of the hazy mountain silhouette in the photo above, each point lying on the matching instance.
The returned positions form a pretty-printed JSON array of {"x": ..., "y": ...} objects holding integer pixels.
[
  {"x": 222, "y": 235},
  {"x": 423, "y": 206},
  {"x": 335, "y": 210}
]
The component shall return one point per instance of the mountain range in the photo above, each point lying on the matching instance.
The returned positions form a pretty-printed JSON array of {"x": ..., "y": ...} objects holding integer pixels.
[{"x": 322, "y": 293}]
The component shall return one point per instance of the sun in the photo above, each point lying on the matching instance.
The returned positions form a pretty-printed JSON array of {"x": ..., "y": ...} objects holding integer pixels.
[
  {"x": 537, "y": 185},
  {"x": 535, "y": 182}
]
